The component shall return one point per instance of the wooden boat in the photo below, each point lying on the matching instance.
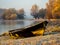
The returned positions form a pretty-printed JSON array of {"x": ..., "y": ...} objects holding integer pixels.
[{"x": 30, "y": 31}]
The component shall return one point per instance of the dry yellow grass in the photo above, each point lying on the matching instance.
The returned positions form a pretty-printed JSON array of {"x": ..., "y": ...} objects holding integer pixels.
[{"x": 53, "y": 28}]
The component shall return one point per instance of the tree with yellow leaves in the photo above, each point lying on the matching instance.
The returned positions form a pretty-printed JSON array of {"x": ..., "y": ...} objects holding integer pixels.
[
  {"x": 53, "y": 8},
  {"x": 56, "y": 10}
]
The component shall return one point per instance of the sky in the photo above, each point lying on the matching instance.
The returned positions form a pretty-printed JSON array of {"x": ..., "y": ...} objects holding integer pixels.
[{"x": 22, "y": 3}]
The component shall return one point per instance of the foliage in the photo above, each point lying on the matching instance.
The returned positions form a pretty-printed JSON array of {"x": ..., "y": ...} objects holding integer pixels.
[
  {"x": 34, "y": 11},
  {"x": 56, "y": 10},
  {"x": 42, "y": 13},
  {"x": 53, "y": 9},
  {"x": 9, "y": 14},
  {"x": 20, "y": 13}
]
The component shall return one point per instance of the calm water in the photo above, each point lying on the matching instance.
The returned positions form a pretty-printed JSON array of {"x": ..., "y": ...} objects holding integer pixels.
[
  {"x": 10, "y": 25},
  {"x": 7, "y": 25}
]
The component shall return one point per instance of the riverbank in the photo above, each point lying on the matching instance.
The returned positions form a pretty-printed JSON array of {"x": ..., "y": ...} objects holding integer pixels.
[{"x": 38, "y": 40}]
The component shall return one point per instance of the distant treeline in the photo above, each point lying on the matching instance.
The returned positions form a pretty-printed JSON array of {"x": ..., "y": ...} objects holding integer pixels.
[{"x": 12, "y": 14}]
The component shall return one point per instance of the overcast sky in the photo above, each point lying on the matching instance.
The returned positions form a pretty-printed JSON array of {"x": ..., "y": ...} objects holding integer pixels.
[{"x": 26, "y": 4}]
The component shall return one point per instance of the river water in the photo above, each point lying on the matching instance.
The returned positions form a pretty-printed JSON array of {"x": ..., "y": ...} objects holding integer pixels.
[{"x": 7, "y": 25}]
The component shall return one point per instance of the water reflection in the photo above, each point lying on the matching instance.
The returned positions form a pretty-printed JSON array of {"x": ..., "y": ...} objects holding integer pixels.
[{"x": 13, "y": 24}]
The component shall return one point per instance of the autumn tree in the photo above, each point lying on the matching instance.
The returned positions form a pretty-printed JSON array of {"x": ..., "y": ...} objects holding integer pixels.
[
  {"x": 42, "y": 13},
  {"x": 48, "y": 12},
  {"x": 34, "y": 11},
  {"x": 9, "y": 14},
  {"x": 56, "y": 10},
  {"x": 20, "y": 13},
  {"x": 53, "y": 9}
]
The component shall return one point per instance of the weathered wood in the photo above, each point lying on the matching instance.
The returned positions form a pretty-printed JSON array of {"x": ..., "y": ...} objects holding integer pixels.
[{"x": 27, "y": 32}]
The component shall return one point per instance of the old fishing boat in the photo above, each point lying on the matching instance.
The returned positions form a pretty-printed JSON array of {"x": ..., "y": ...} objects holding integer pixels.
[{"x": 30, "y": 31}]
